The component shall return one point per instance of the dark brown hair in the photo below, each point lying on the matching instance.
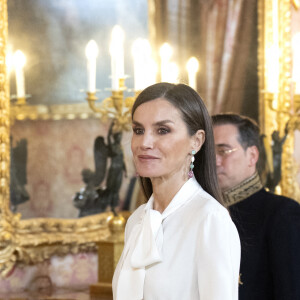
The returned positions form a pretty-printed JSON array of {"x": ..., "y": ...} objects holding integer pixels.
[
  {"x": 248, "y": 134},
  {"x": 195, "y": 116},
  {"x": 247, "y": 128}
]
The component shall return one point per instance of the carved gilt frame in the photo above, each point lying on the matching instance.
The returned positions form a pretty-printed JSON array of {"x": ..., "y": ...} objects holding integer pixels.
[
  {"x": 276, "y": 119},
  {"x": 34, "y": 240}
]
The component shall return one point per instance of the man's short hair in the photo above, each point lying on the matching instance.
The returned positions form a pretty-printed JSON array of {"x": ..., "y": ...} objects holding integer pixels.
[{"x": 248, "y": 129}]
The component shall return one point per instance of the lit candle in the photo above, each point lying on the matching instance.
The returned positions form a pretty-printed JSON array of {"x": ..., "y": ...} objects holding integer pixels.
[
  {"x": 165, "y": 55},
  {"x": 172, "y": 73},
  {"x": 192, "y": 67},
  {"x": 117, "y": 56},
  {"x": 141, "y": 52},
  {"x": 19, "y": 63},
  {"x": 151, "y": 72},
  {"x": 91, "y": 52}
]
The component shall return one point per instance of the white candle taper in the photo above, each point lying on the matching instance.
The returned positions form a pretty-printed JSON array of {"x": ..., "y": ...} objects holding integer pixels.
[
  {"x": 19, "y": 63},
  {"x": 117, "y": 56},
  {"x": 91, "y": 52},
  {"x": 165, "y": 52},
  {"x": 141, "y": 52},
  {"x": 192, "y": 67}
]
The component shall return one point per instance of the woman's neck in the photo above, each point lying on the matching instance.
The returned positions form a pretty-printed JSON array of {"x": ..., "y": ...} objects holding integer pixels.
[{"x": 165, "y": 190}]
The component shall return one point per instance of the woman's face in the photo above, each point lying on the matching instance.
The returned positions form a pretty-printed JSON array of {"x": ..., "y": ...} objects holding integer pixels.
[{"x": 161, "y": 145}]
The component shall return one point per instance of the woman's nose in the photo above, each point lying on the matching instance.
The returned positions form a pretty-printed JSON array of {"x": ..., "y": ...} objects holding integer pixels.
[{"x": 148, "y": 140}]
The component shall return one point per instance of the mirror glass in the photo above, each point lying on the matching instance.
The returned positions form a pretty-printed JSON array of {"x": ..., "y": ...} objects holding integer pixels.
[{"x": 53, "y": 36}]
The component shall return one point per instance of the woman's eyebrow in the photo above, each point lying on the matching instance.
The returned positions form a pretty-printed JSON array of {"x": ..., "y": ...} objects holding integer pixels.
[
  {"x": 159, "y": 123},
  {"x": 136, "y": 123},
  {"x": 163, "y": 122}
]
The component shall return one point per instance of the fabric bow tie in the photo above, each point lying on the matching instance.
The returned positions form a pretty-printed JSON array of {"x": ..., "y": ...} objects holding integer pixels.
[{"x": 144, "y": 245}]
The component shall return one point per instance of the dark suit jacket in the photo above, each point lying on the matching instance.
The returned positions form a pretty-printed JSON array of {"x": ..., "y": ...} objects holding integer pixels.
[{"x": 269, "y": 229}]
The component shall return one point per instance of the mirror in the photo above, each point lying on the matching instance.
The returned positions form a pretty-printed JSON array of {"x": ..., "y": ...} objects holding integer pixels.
[
  {"x": 36, "y": 239},
  {"x": 59, "y": 145},
  {"x": 55, "y": 114},
  {"x": 53, "y": 35}
]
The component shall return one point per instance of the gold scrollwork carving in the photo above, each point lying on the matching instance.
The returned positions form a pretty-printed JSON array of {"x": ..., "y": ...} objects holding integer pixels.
[
  {"x": 276, "y": 118},
  {"x": 296, "y": 3},
  {"x": 52, "y": 112},
  {"x": 34, "y": 240},
  {"x": 7, "y": 230}
]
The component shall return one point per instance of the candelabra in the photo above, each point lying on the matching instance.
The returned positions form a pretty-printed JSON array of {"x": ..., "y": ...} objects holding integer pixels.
[
  {"x": 290, "y": 109},
  {"x": 17, "y": 107},
  {"x": 116, "y": 107}
]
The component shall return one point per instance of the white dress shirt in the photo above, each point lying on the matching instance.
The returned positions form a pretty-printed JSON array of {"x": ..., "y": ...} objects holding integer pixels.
[{"x": 191, "y": 251}]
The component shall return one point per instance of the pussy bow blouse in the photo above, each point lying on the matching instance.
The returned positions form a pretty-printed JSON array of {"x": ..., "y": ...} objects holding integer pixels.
[{"x": 191, "y": 251}]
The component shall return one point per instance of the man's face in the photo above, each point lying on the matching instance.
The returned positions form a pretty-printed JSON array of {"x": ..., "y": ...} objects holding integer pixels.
[{"x": 234, "y": 164}]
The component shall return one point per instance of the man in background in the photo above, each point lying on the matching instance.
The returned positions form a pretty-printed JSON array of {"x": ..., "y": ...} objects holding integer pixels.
[{"x": 268, "y": 224}]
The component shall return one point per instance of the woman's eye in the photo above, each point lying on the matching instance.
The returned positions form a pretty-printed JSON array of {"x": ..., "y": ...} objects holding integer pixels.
[
  {"x": 163, "y": 130},
  {"x": 138, "y": 130}
]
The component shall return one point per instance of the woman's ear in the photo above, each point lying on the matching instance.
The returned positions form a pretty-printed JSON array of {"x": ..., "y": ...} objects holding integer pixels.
[{"x": 198, "y": 139}]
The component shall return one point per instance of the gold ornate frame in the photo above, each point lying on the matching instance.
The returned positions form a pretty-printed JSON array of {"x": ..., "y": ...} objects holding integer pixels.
[
  {"x": 34, "y": 240},
  {"x": 52, "y": 112},
  {"x": 275, "y": 119}
]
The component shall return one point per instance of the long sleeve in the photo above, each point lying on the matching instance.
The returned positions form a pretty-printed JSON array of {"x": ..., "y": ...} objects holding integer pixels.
[
  {"x": 284, "y": 245},
  {"x": 197, "y": 245},
  {"x": 219, "y": 258}
]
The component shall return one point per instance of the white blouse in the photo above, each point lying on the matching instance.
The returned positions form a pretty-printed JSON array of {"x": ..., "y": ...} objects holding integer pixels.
[{"x": 191, "y": 251}]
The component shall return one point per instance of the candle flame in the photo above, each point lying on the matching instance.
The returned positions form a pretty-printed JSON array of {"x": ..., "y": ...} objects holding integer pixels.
[
  {"x": 192, "y": 65},
  {"x": 91, "y": 50},
  {"x": 165, "y": 52},
  {"x": 19, "y": 59}
]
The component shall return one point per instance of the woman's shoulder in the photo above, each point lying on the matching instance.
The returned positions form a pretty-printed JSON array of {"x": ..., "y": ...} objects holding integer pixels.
[
  {"x": 203, "y": 204},
  {"x": 210, "y": 215},
  {"x": 135, "y": 217}
]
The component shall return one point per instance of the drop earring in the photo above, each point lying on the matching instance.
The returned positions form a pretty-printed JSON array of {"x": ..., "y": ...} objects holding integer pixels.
[{"x": 191, "y": 173}]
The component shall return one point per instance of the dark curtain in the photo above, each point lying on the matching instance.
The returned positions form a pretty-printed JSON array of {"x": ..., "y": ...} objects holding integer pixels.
[{"x": 222, "y": 34}]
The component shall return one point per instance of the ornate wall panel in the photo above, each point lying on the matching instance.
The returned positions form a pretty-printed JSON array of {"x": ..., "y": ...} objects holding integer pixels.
[
  {"x": 277, "y": 92},
  {"x": 32, "y": 241}
]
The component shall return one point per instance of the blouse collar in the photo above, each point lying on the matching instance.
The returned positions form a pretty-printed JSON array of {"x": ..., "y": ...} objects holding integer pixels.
[{"x": 145, "y": 242}]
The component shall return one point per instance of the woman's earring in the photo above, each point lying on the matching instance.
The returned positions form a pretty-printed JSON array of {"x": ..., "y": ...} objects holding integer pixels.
[{"x": 191, "y": 173}]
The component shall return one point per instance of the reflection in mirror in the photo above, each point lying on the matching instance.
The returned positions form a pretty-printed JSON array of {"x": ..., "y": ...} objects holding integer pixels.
[
  {"x": 57, "y": 153},
  {"x": 53, "y": 36}
]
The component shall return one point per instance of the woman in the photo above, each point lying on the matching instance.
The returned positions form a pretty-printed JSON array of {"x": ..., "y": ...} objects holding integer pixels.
[{"x": 182, "y": 244}]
